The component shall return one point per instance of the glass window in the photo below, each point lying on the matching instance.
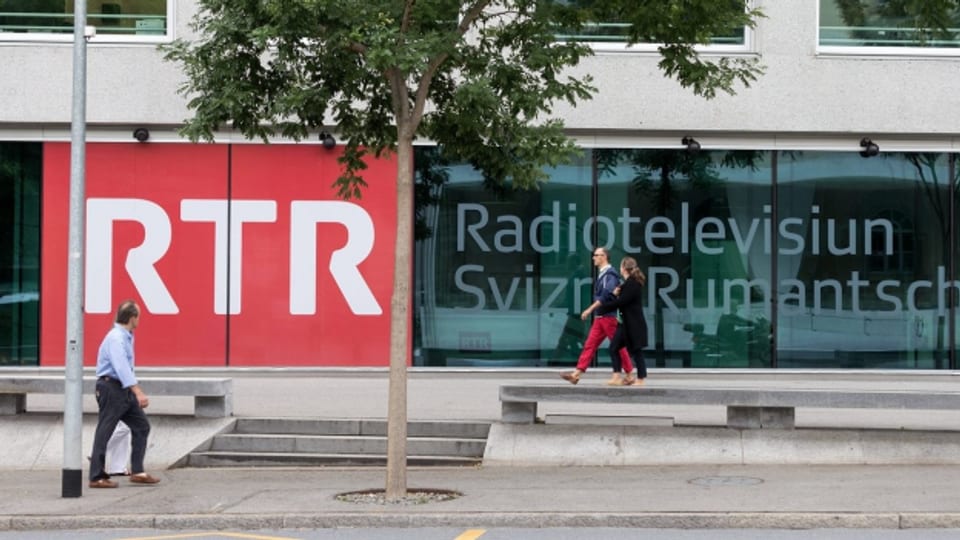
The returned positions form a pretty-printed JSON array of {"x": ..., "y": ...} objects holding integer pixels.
[
  {"x": 616, "y": 32},
  {"x": 696, "y": 223},
  {"x": 855, "y": 251},
  {"x": 863, "y": 260},
  {"x": 955, "y": 297},
  {"x": 610, "y": 28},
  {"x": 504, "y": 274},
  {"x": 115, "y": 20},
  {"x": 20, "y": 178},
  {"x": 888, "y": 24}
]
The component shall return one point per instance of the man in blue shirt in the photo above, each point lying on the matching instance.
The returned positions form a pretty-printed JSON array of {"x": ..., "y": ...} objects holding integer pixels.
[{"x": 120, "y": 398}]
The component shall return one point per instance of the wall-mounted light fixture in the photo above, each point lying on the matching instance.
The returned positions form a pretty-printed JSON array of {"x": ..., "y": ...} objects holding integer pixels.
[
  {"x": 141, "y": 134},
  {"x": 870, "y": 148},
  {"x": 691, "y": 144},
  {"x": 327, "y": 140}
]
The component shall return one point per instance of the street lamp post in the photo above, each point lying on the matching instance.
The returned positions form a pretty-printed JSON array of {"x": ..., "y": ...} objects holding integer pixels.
[{"x": 72, "y": 479}]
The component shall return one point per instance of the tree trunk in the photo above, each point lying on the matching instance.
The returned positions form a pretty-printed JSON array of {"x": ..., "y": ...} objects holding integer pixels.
[{"x": 400, "y": 327}]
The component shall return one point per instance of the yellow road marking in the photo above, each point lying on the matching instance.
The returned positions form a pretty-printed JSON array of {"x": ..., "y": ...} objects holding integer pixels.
[
  {"x": 471, "y": 534},
  {"x": 210, "y": 535}
]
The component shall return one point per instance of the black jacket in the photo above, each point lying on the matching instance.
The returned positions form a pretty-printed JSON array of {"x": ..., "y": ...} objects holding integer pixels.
[{"x": 630, "y": 305}]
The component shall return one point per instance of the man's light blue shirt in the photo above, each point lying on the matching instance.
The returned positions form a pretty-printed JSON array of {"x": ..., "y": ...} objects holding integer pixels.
[{"x": 115, "y": 357}]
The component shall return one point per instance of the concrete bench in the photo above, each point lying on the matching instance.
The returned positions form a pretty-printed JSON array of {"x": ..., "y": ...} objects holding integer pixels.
[
  {"x": 747, "y": 408},
  {"x": 212, "y": 397}
]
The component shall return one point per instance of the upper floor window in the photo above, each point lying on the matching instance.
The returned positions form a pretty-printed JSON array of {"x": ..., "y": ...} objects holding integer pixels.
[
  {"x": 610, "y": 32},
  {"x": 889, "y": 26},
  {"x": 115, "y": 20}
]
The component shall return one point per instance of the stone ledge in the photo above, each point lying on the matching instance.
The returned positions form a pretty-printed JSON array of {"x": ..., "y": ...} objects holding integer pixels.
[{"x": 591, "y": 445}]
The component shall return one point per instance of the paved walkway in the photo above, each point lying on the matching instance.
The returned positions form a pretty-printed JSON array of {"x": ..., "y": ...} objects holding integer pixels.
[
  {"x": 673, "y": 497},
  {"x": 668, "y": 496}
]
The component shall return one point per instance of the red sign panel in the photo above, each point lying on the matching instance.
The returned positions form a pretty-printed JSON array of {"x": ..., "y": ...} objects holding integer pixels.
[{"x": 239, "y": 255}]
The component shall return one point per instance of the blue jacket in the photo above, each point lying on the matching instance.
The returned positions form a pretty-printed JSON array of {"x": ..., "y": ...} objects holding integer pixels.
[{"x": 607, "y": 281}]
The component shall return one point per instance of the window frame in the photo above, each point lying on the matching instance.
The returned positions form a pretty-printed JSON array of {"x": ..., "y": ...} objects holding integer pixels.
[
  {"x": 747, "y": 47},
  {"x": 858, "y": 50},
  {"x": 67, "y": 37}
]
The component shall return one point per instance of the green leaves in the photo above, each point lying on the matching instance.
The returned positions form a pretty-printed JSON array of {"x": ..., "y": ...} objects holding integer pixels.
[
  {"x": 478, "y": 77},
  {"x": 706, "y": 77}
]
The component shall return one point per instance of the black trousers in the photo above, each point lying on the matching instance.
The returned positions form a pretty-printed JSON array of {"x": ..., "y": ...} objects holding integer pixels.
[
  {"x": 117, "y": 403},
  {"x": 618, "y": 342}
]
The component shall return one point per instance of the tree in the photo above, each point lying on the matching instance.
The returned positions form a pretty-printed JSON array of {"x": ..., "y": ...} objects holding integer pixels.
[{"x": 480, "y": 78}]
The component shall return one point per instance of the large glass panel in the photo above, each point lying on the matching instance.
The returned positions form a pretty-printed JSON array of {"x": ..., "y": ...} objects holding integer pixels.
[
  {"x": 862, "y": 260},
  {"x": 954, "y": 361},
  {"x": 20, "y": 179},
  {"x": 698, "y": 223},
  {"x": 884, "y": 23},
  {"x": 500, "y": 276},
  {"x": 110, "y": 17}
]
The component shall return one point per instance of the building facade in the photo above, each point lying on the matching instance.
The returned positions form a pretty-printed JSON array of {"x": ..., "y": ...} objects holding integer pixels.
[{"x": 807, "y": 221}]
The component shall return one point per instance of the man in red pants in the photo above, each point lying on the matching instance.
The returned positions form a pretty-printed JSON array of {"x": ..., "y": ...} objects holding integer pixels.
[{"x": 605, "y": 321}]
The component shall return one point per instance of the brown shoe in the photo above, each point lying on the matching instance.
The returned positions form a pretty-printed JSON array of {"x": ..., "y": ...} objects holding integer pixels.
[
  {"x": 103, "y": 483},
  {"x": 615, "y": 380},
  {"x": 143, "y": 478},
  {"x": 573, "y": 377},
  {"x": 638, "y": 382},
  {"x": 629, "y": 380}
]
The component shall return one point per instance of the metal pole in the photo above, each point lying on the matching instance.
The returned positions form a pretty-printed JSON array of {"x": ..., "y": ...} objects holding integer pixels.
[{"x": 72, "y": 480}]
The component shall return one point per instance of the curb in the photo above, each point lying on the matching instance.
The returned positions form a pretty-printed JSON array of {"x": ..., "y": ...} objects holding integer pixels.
[{"x": 649, "y": 520}]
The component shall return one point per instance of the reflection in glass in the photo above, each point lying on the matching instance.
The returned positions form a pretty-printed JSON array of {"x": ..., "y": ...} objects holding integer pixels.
[
  {"x": 609, "y": 24},
  {"x": 882, "y": 23},
  {"x": 497, "y": 279},
  {"x": 855, "y": 251},
  {"x": 110, "y": 17},
  {"x": 20, "y": 179},
  {"x": 695, "y": 222},
  {"x": 863, "y": 260}
]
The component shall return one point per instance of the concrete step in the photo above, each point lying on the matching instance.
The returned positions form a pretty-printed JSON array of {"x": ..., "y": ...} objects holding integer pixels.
[
  {"x": 308, "y": 426},
  {"x": 343, "y": 444},
  {"x": 278, "y": 442},
  {"x": 280, "y": 459}
]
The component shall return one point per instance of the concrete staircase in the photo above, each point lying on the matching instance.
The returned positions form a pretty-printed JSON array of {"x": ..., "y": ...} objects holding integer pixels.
[{"x": 286, "y": 442}]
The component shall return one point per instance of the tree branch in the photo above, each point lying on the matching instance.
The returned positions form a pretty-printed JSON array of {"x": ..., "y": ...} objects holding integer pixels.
[
  {"x": 405, "y": 21},
  {"x": 401, "y": 99},
  {"x": 426, "y": 80}
]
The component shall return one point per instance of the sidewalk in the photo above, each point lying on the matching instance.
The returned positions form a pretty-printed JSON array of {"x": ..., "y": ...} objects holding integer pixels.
[
  {"x": 693, "y": 496},
  {"x": 667, "y": 497}
]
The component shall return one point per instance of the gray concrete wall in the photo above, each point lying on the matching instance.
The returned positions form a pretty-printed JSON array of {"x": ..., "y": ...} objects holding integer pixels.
[{"x": 802, "y": 92}]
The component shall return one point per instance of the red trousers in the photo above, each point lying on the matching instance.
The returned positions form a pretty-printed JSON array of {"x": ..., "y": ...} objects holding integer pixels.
[{"x": 602, "y": 328}]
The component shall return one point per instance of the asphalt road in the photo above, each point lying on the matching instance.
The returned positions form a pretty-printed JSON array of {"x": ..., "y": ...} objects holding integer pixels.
[{"x": 494, "y": 534}]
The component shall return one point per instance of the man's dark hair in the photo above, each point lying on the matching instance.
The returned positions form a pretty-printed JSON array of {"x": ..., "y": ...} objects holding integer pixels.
[{"x": 127, "y": 310}]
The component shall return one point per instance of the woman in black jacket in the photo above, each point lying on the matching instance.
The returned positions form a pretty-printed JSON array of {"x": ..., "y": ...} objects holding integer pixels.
[{"x": 632, "y": 332}]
